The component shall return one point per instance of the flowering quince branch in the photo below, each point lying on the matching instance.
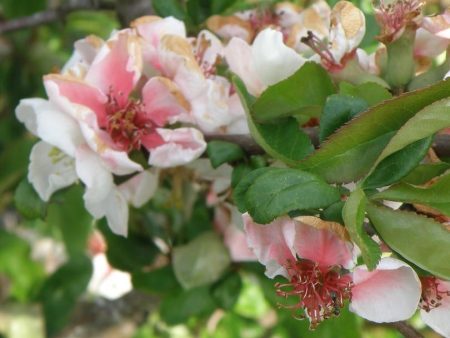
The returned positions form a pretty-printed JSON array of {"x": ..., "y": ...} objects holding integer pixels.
[{"x": 129, "y": 113}]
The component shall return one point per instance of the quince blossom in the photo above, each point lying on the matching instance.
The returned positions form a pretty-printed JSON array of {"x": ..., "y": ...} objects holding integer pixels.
[
  {"x": 93, "y": 121},
  {"x": 317, "y": 259}
]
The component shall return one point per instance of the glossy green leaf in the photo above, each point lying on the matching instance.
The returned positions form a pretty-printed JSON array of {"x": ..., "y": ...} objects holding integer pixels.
[
  {"x": 202, "y": 261},
  {"x": 68, "y": 213},
  {"x": 159, "y": 281},
  {"x": 353, "y": 213},
  {"x": 425, "y": 172},
  {"x": 61, "y": 291},
  {"x": 244, "y": 184},
  {"x": 306, "y": 89},
  {"x": 279, "y": 191},
  {"x": 283, "y": 140},
  {"x": 128, "y": 254},
  {"x": 28, "y": 202},
  {"x": 399, "y": 164},
  {"x": 351, "y": 152},
  {"x": 169, "y": 8},
  {"x": 423, "y": 124},
  {"x": 338, "y": 110},
  {"x": 220, "y": 152},
  {"x": 180, "y": 306},
  {"x": 417, "y": 238},
  {"x": 436, "y": 195},
  {"x": 333, "y": 212},
  {"x": 371, "y": 92},
  {"x": 226, "y": 291}
]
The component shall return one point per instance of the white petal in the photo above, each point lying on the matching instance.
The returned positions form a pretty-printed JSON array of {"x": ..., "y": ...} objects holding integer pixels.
[
  {"x": 116, "y": 212},
  {"x": 272, "y": 58},
  {"x": 182, "y": 145},
  {"x": 50, "y": 170},
  {"x": 388, "y": 294},
  {"x": 140, "y": 188},
  {"x": 438, "y": 318},
  {"x": 43, "y": 119}
]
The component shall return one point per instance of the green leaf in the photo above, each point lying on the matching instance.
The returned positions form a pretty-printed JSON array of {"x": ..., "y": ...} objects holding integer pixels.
[
  {"x": 226, "y": 292},
  {"x": 333, "y": 212},
  {"x": 219, "y": 6},
  {"x": 180, "y": 306},
  {"x": 160, "y": 281},
  {"x": 202, "y": 261},
  {"x": 338, "y": 110},
  {"x": 198, "y": 10},
  {"x": 398, "y": 164},
  {"x": 436, "y": 196},
  {"x": 279, "y": 191},
  {"x": 419, "y": 239},
  {"x": 350, "y": 153},
  {"x": 169, "y": 8},
  {"x": 128, "y": 254},
  {"x": 220, "y": 152},
  {"x": 371, "y": 92},
  {"x": 244, "y": 184},
  {"x": 353, "y": 214},
  {"x": 425, "y": 172},
  {"x": 61, "y": 291},
  {"x": 68, "y": 213},
  {"x": 306, "y": 89},
  {"x": 27, "y": 201},
  {"x": 425, "y": 123},
  {"x": 284, "y": 140}
]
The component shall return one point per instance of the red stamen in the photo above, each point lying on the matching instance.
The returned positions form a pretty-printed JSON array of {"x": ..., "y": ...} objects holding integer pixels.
[
  {"x": 321, "y": 291},
  {"x": 322, "y": 50},
  {"x": 431, "y": 297},
  {"x": 127, "y": 122}
]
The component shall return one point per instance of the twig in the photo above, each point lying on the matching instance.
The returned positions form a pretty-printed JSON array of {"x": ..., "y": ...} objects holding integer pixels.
[
  {"x": 55, "y": 14},
  {"x": 406, "y": 330}
]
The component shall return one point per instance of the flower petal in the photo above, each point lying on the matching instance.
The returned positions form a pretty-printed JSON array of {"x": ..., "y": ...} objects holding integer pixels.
[
  {"x": 238, "y": 54},
  {"x": 153, "y": 28},
  {"x": 181, "y": 146},
  {"x": 45, "y": 120},
  {"x": 438, "y": 318},
  {"x": 117, "y": 66},
  {"x": 272, "y": 243},
  {"x": 50, "y": 170},
  {"x": 323, "y": 242},
  {"x": 272, "y": 58},
  {"x": 388, "y": 294},
  {"x": 140, "y": 188}
]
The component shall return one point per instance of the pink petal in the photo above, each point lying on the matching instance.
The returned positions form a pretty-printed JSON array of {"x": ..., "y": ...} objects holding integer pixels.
[
  {"x": 153, "y": 28},
  {"x": 323, "y": 246},
  {"x": 272, "y": 243},
  {"x": 117, "y": 67},
  {"x": 438, "y": 318},
  {"x": 181, "y": 146},
  {"x": 388, "y": 294},
  {"x": 163, "y": 101},
  {"x": 77, "y": 93}
]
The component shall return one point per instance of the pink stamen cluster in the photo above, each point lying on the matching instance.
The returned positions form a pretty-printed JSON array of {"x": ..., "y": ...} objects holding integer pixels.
[
  {"x": 431, "y": 295},
  {"x": 321, "y": 291},
  {"x": 208, "y": 69},
  {"x": 127, "y": 122},
  {"x": 394, "y": 16}
]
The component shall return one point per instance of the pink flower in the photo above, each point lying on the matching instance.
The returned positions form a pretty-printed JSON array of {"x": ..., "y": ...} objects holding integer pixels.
[
  {"x": 316, "y": 258},
  {"x": 435, "y": 304}
]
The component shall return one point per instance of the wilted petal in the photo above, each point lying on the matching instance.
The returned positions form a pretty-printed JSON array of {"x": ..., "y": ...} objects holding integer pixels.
[
  {"x": 272, "y": 243},
  {"x": 140, "y": 188},
  {"x": 438, "y": 318},
  {"x": 238, "y": 54},
  {"x": 153, "y": 28},
  {"x": 50, "y": 170},
  {"x": 85, "y": 51},
  {"x": 388, "y": 294},
  {"x": 272, "y": 58},
  {"x": 181, "y": 146},
  {"x": 323, "y": 242},
  {"x": 45, "y": 120},
  {"x": 228, "y": 27},
  {"x": 117, "y": 66}
]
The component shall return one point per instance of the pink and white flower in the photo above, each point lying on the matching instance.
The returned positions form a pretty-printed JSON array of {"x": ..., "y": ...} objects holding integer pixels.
[{"x": 317, "y": 259}]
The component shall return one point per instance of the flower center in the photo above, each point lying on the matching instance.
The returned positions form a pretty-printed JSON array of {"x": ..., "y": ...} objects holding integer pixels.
[
  {"x": 431, "y": 297},
  {"x": 321, "y": 292},
  {"x": 394, "y": 16},
  {"x": 321, "y": 48},
  {"x": 127, "y": 122}
]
